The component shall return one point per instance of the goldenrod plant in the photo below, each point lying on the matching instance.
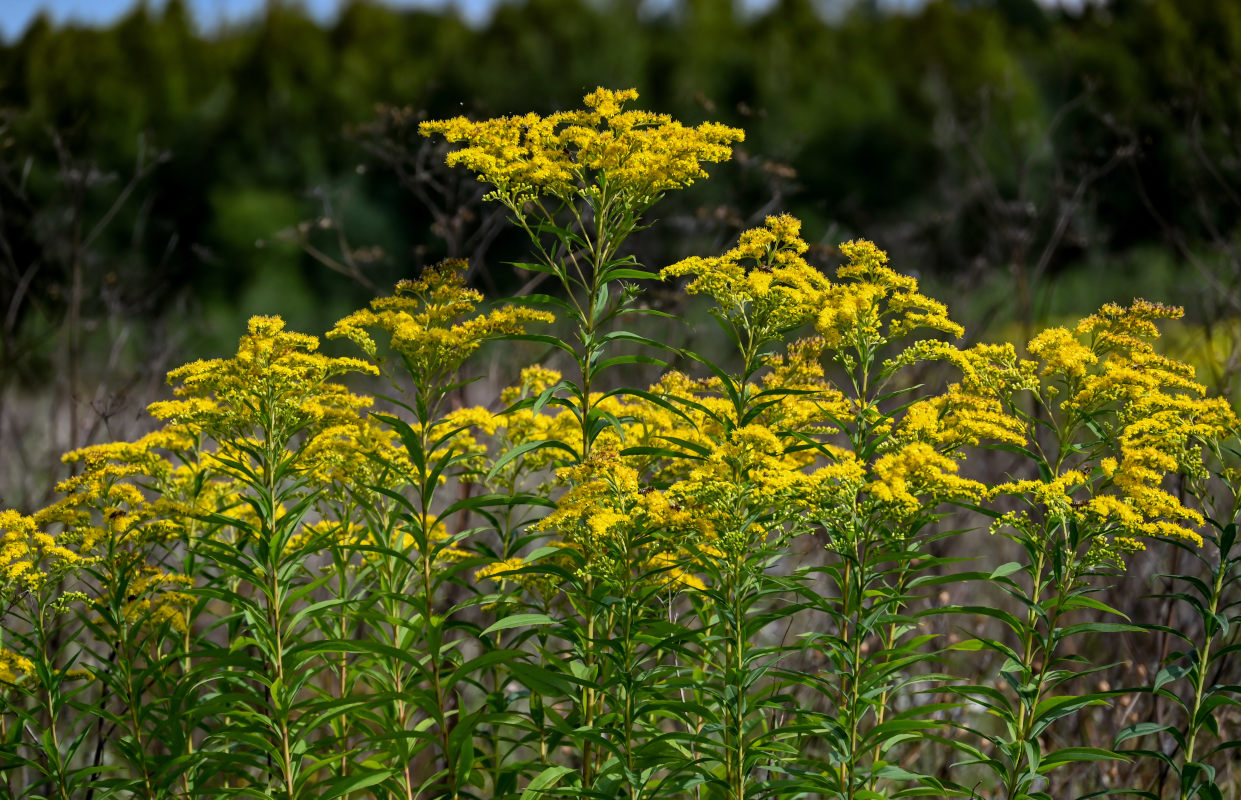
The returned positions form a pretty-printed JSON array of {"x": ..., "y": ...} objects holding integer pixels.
[
  {"x": 1111, "y": 420},
  {"x": 728, "y": 583},
  {"x": 1193, "y": 749}
]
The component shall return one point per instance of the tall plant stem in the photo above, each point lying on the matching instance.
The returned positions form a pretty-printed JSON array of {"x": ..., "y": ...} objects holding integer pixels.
[
  {"x": 275, "y": 607},
  {"x": 588, "y": 694},
  {"x": 1029, "y": 648},
  {"x": 890, "y": 635},
  {"x": 1201, "y": 669},
  {"x": 49, "y": 704},
  {"x": 628, "y": 665},
  {"x": 342, "y": 671},
  {"x": 737, "y": 657},
  {"x": 853, "y": 594},
  {"x": 398, "y": 679},
  {"x": 276, "y": 621},
  {"x": 132, "y": 702},
  {"x": 450, "y": 772}
]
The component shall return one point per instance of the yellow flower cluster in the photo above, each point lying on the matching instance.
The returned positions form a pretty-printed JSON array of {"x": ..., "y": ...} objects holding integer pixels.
[
  {"x": 812, "y": 404},
  {"x": 429, "y": 321},
  {"x": 127, "y": 495},
  {"x": 870, "y": 294},
  {"x": 972, "y": 411},
  {"x": 360, "y": 454},
  {"x": 1057, "y": 506},
  {"x": 641, "y": 424},
  {"x": 754, "y": 468},
  {"x": 30, "y": 557},
  {"x": 516, "y": 427},
  {"x": 763, "y": 285},
  {"x": 633, "y": 155},
  {"x": 128, "y": 499},
  {"x": 797, "y": 401},
  {"x": 348, "y": 534},
  {"x": 276, "y": 382},
  {"x": 770, "y": 463},
  {"x": 496, "y": 569},
  {"x": 1054, "y": 495},
  {"x": 1062, "y": 353},
  {"x": 276, "y": 387},
  {"x": 154, "y": 597},
  {"x": 905, "y": 477},
  {"x": 622, "y": 529},
  {"x": 13, "y": 666},
  {"x": 1141, "y": 416}
]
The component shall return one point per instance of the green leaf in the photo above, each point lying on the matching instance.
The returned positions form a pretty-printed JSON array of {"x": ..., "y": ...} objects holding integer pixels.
[
  {"x": 519, "y": 621},
  {"x": 1067, "y": 755},
  {"x": 338, "y": 787},
  {"x": 522, "y": 449},
  {"x": 543, "y": 781},
  {"x": 1170, "y": 673},
  {"x": 1051, "y": 709},
  {"x": 1100, "y": 627},
  {"x": 1082, "y": 601},
  {"x": 1004, "y": 570},
  {"x": 1138, "y": 729},
  {"x": 632, "y": 274}
]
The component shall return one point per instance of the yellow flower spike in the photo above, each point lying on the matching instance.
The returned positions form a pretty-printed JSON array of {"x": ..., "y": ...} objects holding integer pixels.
[
  {"x": 360, "y": 455},
  {"x": 1150, "y": 416},
  {"x": 30, "y": 557},
  {"x": 608, "y": 102},
  {"x": 13, "y": 666},
  {"x": 606, "y": 510},
  {"x": 959, "y": 418},
  {"x": 432, "y": 321},
  {"x": 1115, "y": 325},
  {"x": 762, "y": 285},
  {"x": 155, "y": 597},
  {"x": 636, "y": 155},
  {"x": 533, "y": 381},
  {"x": 902, "y": 477},
  {"x": 505, "y": 565},
  {"x": 1062, "y": 353},
  {"x": 275, "y": 378}
]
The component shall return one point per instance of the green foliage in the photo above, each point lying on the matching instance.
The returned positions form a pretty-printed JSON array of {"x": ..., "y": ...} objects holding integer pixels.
[
  {"x": 727, "y": 585},
  {"x": 1191, "y": 678}
]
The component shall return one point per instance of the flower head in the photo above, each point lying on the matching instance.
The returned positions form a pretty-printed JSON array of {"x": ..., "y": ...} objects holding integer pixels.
[
  {"x": 432, "y": 321},
  {"x": 763, "y": 285},
  {"x": 870, "y": 295},
  {"x": 636, "y": 155}
]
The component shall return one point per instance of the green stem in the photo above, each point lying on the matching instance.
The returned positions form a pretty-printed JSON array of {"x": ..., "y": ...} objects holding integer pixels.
[
  {"x": 855, "y": 586},
  {"x": 276, "y": 622},
  {"x": 738, "y": 646},
  {"x": 132, "y": 702},
  {"x": 588, "y": 695},
  {"x": 1029, "y": 647},
  {"x": 628, "y": 662},
  {"x": 1202, "y": 668},
  {"x": 276, "y": 542},
  {"x": 889, "y": 641},
  {"x": 55, "y": 758},
  {"x": 343, "y": 668},
  {"x": 450, "y": 772}
]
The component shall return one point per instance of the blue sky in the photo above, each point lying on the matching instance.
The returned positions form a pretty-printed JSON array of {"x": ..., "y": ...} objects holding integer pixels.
[{"x": 15, "y": 15}]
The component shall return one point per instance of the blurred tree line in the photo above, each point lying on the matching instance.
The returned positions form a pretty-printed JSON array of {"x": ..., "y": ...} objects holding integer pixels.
[{"x": 159, "y": 183}]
